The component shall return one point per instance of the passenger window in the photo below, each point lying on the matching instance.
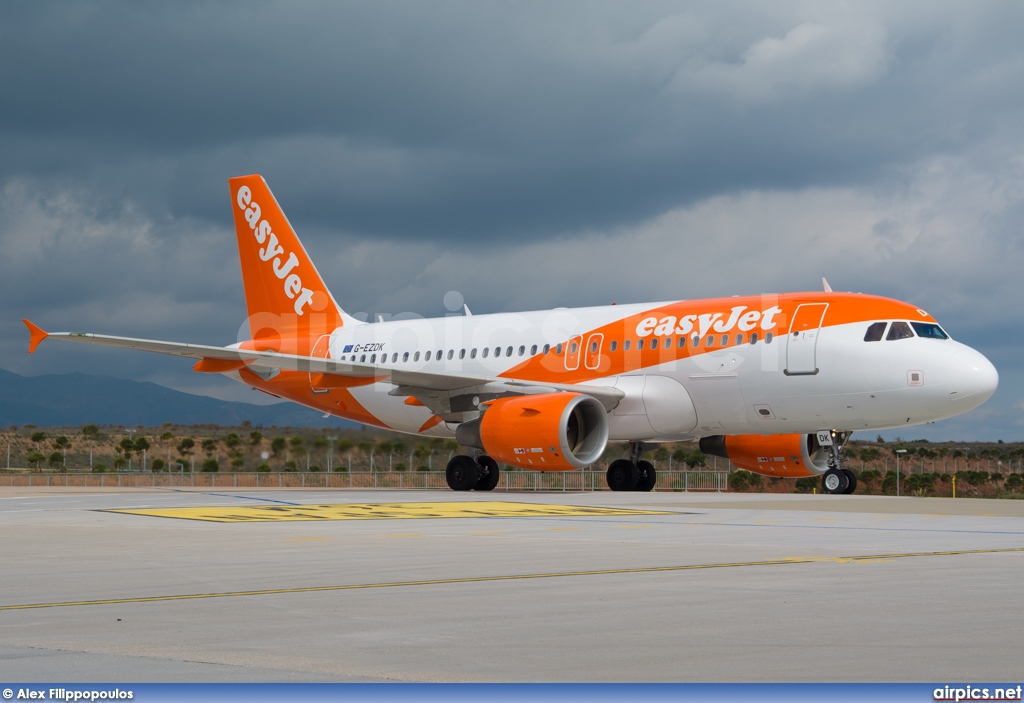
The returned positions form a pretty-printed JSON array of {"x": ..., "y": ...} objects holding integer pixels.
[
  {"x": 405, "y": 356},
  {"x": 451, "y": 354},
  {"x": 739, "y": 339},
  {"x": 522, "y": 349},
  {"x": 725, "y": 340},
  {"x": 572, "y": 348},
  {"x": 497, "y": 352},
  {"x": 416, "y": 356},
  {"x": 362, "y": 358},
  {"x": 668, "y": 342},
  {"x": 558, "y": 349},
  {"x": 426, "y": 357},
  {"x": 682, "y": 343},
  {"x": 472, "y": 353},
  {"x": 929, "y": 330},
  {"x": 533, "y": 350},
  {"x": 508, "y": 352},
  {"x": 875, "y": 332},
  {"x": 373, "y": 358},
  {"x": 753, "y": 337},
  {"x": 547, "y": 348},
  {"x": 625, "y": 345},
  {"x": 695, "y": 341},
  {"x": 614, "y": 345},
  {"x": 639, "y": 344},
  {"x": 899, "y": 330},
  {"x": 710, "y": 341},
  {"x": 438, "y": 355},
  {"x": 486, "y": 351},
  {"x": 767, "y": 337},
  {"x": 593, "y": 347},
  {"x": 462, "y": 353}
]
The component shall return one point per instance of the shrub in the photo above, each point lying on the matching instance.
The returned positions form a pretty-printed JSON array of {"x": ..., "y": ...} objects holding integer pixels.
[
  {"x": 211, "y": 466},
  {"x": 423, "y": 467},
  {"x": 290, "y": 466},
  {"x": 35, "y": 459},
  {"x": 263, "y": 468},
  {"x": 340, "y": 468},
  {"x": 237, "y": 464},
  {"x": 806, "y": 484},
  {"x": 98, "y": 468},
  {"x": 56, "y": 460},
  {"x": 157, "y": 465},
  {"x": 400, "y": 466},
  {"x": 313, "y": 467},
  {"x": 745, "y": 480}
]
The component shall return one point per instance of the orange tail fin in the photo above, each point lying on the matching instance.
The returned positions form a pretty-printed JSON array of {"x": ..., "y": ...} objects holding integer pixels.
[{"x": 285, "y": 295}]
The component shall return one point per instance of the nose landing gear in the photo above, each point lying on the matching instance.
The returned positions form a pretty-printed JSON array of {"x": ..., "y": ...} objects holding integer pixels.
[{"x": 836, "y": 480}]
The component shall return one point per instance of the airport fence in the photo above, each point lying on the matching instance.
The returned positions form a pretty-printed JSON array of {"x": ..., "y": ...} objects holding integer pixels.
[{"x": 575, "y": 481}]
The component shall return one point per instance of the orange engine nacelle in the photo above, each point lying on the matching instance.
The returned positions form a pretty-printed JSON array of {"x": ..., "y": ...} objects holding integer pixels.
[
  {"x": 785, "y": 455},
  {"x": 544, "y": 432}
]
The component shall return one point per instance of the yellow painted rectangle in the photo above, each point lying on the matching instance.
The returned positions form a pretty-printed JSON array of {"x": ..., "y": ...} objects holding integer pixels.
[{"x": 379, "y": 511}]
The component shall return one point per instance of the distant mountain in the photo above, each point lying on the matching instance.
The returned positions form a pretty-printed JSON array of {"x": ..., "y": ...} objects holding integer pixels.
[{"x": 77, "y": 399}]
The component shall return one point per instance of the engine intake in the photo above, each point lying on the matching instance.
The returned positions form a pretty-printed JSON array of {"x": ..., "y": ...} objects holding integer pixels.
[
  {"x": 785, "y": 455},
  {"x": 544, "y": 432}
]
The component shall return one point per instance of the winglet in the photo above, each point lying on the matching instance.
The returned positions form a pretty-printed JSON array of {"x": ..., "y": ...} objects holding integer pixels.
[
  {"x": 36, "y": 335},
  {"x": 828, "y": 288}
]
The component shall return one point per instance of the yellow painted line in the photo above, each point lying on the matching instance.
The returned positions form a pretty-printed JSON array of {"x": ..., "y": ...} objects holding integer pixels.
[
  {"x": 379, "y": 511},
  {"x": 787, "y": 561}
]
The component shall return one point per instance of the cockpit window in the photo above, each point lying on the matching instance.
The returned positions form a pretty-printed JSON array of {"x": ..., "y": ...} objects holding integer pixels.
[
  {"x": 875, "y": 332},
  {"x": 929, "y": 330},
  {"x": 899, "y": 330}
]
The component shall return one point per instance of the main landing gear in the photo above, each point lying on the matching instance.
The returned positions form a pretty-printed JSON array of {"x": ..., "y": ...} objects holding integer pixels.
[
  {"x": 837, "y": 479},
  {"x": 464, "y": 473},
  {"x": 632, "y": 474}
]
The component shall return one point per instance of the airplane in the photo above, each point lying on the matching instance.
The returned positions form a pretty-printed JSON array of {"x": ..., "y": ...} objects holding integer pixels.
[{"x": 776, "y": 383}]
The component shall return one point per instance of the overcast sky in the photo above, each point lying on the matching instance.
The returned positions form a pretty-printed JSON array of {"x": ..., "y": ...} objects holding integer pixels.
[{"x": 528, "y": 155}]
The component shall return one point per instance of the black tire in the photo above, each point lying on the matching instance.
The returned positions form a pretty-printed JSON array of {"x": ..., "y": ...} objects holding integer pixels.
[
  {"x": 489, "y": 474},
  {"x": 834, "y": 481},
  {"x": 622, "y": 475},
  {"x": 851, "y": 481},
  {"x": 648, "y": 476},
  {"x": 462, "y": 473}
]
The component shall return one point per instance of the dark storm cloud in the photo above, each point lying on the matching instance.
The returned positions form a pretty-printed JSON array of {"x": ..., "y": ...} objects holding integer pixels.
[{"x": 461, "y": 121}]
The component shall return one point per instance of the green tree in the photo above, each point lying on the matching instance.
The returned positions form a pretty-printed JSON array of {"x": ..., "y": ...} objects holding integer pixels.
[
  {"x": 91, "y": 431},
  {"x": 166, "y": 436},
  {"x": 232, "y": 441},
  {"x": 157, "y": 465},
  {"x": 255, "y": 437},
  {"x": 209, "y": 446},
  {"x": 277, "y": 445},
  {"x": 127, "y": 446},
  {"x": 211, "y": 466},
  {"x": 56, "y": 460},
  {"x": 38, "y": 437},
  {"x": 35, "y": 459},
  {"x": 186, "y": 446}
]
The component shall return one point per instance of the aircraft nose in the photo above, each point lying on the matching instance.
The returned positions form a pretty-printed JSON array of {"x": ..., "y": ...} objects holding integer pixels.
[{"x": 974, "y": 380}]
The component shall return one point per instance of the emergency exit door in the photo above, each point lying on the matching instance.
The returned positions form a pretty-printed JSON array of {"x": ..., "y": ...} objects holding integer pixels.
[{"x": 802, "y": 345}]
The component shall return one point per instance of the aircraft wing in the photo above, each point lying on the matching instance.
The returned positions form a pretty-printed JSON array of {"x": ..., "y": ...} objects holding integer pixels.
[{"x": 426, "y": 386}]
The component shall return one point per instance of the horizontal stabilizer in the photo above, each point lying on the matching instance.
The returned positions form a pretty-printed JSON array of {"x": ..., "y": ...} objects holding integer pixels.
[{"x": 36, "y": 335}]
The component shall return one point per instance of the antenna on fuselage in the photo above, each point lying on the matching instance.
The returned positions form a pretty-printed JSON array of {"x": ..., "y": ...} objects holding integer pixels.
[{"x": 828, "y": 288}]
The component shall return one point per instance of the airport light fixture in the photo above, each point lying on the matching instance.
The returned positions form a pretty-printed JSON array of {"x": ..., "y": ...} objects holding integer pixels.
[{"x": 898, "y": 452}]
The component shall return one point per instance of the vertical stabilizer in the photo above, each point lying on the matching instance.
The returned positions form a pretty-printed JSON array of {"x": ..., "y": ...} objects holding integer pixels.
[{"x": 285, "y": 295}]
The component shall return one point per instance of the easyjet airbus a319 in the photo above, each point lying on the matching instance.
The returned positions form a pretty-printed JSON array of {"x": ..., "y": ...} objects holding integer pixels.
[{"x": 776, "y": 383}]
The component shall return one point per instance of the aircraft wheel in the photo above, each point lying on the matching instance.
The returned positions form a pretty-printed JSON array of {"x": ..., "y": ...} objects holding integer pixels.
[
  {"x": 490, "y": 474},
  {"x": 462, "y": 473},
  {"x": 851, "y": 479},
  {"x": 622, "y": 475},
  {"x": 834, "y": 481},
  {"x": 648, "y": 476}
]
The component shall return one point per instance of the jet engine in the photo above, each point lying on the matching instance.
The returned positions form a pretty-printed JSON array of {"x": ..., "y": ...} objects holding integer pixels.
[
  {"x": 543, "y": 432},
  {"x": 785, "y": 455}
]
